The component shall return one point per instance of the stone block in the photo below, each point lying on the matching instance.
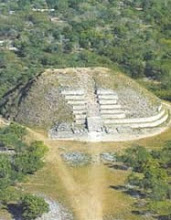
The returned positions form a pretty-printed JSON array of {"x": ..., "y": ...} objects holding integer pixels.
[
  {"x": 94, "y": 124},
  {"x": 80, "y": 116},
  {"x": 105, "y": 92},
  {"x": 111, "y": 116},
  {"x": 110, "y": 106},
  {"x": 76, "y": 102},
  {"x": 111, "y": 111},
  {"x": 79, "y": 112},
  {"x": 107, "y": 102},
  {"x": 73, "y": 92},
  {"x": 80, "y": 121},
  {"x": 74, "y": 97},
  {"x": 78, "y": 107},
  {"x": 108, "y": 97}
]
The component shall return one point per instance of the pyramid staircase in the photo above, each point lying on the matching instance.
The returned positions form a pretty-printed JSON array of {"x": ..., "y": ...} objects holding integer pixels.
[
  {"x": 109, "y": 107},
  {"x": 76, "y": 98},
  {"x": 96, "y": 109}
]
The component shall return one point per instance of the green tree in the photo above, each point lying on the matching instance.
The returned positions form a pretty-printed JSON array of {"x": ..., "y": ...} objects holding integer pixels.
[
  {"x": 57, "y": 4},
  {"x": 11, "y": 137},
  {"x": 152, "y": 178},
  {"x": 16, "y": 129},
  {"x": 33, "y": 207},
  {"x": 38, "y": 148},
  {"x": 136, "y": 157},
  {"x": 162, "y": 208},
  {"x": 30, "y": 160},
  {"x": 24, "y": 3},
  {"x": 5, "y": 172}
]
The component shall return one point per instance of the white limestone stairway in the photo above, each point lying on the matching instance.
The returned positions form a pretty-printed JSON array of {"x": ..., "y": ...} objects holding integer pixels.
[
  {"x": 113, "y": 114},
  {"x": 94, "y": 121},
  {"x": 108, "y": 104},
  {"x": 98, "y": 108},
  {"x": 146, "y": 122},
  {"x": 76, "y": 98}
]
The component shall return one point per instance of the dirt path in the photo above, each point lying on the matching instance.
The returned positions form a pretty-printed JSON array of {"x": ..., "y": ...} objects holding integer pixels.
[
  {"x": 96, "y": 186},
  {"x": 86, "y": 204}
]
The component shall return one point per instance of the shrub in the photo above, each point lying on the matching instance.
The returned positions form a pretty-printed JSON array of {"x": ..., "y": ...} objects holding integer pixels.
[{"x": 33, "y": 207}]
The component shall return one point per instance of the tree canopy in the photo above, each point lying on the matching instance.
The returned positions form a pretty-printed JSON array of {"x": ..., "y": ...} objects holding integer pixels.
[
  {"x": 15, "y": 165},
  {"x": 151, "y": 176},
  {"x": 132, "y": 35}
]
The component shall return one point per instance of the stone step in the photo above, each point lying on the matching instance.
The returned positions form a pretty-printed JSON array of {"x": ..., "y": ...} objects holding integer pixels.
[
  {"x": 137, "y": 120},
  {"x": 115, "y": 116},
  {"x": 79, "y": 107},
  {"x": 80, "y": 121},
  {"x": 152, "y": 124},
  {"x": 73, "y": 92},
  {"x": 108, "y": 97},
  {"x": 107, "y": 102},
  {"x": 74, "y": 97},
  {"x": 110, "y": 106},
  {"x": 76, "y": 102},
  {"x": 160, "y": 108},
  {"x": 79, "y": 112},
  {"x": 105, "y": 92},
  {"x": 131, "y": 121},
  {"x": 80, "y": 117},
  {"x": 111, "y": 111}
]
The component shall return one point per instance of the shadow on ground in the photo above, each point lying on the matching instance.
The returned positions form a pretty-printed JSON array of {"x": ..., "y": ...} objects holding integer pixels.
[
  {"x": 15, "y": 211},
  {"x": 117, "y": 166},
  {"x": 131, "y": 192}
]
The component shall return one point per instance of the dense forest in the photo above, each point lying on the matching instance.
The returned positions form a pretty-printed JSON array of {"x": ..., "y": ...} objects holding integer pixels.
[{"x": 130, "y": 35}]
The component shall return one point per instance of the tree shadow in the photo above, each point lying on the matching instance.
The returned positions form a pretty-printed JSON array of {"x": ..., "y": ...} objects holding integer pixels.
[
  {"x": 139, "y": 196},
  {"x": 135, "y": 193},
  {"x": 118, "y": 166},
  {"x": 15, "y": 210},
  {"x": 164, "y": 218},
  {"x": 137, "y": 212},
  {"x": 119, "y": 188},
  {"x": 147, "y": 214},
  {"x": 131, "y": 192}
]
